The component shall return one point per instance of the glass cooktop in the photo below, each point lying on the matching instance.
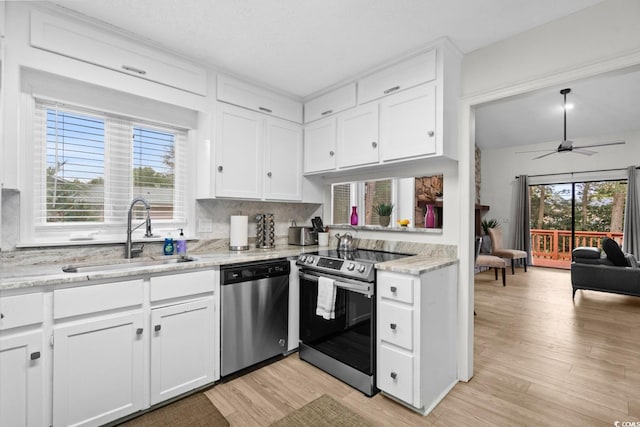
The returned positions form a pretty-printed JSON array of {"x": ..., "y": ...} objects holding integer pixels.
[{"x": 361, "y": 255}]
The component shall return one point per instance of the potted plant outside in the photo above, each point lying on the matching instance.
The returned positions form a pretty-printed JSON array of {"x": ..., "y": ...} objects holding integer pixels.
[{"x": 384, "y": 211}]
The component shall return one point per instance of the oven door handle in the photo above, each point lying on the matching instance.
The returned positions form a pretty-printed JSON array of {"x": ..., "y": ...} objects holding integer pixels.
[{"x": 360, "y": 287}]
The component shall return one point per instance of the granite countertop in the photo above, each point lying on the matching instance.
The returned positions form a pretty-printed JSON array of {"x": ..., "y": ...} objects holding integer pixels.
[{"x": 25, "y": 276}]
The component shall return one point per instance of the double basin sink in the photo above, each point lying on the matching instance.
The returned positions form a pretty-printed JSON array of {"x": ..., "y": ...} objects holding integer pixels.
[{"x": 123, "y": 264}]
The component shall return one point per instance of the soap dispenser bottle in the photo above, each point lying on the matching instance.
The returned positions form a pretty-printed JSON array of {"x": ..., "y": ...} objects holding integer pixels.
[
  {"x": 182, "y": 245},
  {"x": 168, "y": 245}
]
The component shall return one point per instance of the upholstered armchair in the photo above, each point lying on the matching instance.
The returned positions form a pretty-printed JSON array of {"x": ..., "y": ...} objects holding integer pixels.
[{"x": 497, "y": 249}]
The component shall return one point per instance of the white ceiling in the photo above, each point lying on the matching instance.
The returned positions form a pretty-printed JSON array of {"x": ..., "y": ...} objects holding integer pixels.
[
  {"x": 304, "y": 46},
  {"x": 301, "y": 47}
]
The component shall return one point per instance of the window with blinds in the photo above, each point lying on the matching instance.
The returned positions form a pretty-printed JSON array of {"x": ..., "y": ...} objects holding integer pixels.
[
  {"x": 90, "y": 165},
  {"x": 343, "y": 197},
  {"x": 376, "y": 192}
]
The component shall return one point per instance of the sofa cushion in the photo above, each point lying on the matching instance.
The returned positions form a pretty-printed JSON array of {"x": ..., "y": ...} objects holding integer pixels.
[
  {"x": 614, "y": 253},
  {"x": 586, "y": 252}
]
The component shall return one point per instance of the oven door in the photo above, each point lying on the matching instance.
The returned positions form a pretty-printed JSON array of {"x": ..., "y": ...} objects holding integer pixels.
[{"x": 350, "y": 337}]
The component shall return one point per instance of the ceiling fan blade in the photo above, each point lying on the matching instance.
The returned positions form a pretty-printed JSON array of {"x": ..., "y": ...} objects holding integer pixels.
[
  {"x": 601, "y": 145},
  {"x": 534, "y": 151},
  {"x": 544, "y": 155},
  {"x": 583, "y": 151}
]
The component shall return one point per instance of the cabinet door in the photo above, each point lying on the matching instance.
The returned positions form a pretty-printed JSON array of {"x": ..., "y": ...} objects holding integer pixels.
[
  {"x": 320, "y": 146},
  {"x": 98, "y": 368},
  {"x": 358, "y": 136},
  {"x": 283, "y": 161},
  {"x": 408, "y": 124},
  {"x": 330, "y": 103},
  {"x": 239, "y": 153},
  {"x": 182, "y": 348},
  {"x": 21, "y": 380}
]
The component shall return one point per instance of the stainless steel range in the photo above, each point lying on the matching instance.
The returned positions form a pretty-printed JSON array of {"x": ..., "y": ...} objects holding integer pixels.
[{"x": 340, "y": 340}]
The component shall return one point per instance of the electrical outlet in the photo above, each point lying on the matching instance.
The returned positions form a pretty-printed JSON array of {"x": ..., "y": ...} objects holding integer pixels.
[
  {"x": 505, "y": 220},
  {"x": 205, "y": 225}
]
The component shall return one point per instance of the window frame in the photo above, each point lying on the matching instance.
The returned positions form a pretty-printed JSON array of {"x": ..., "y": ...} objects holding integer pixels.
[{"x": 358, "y": 198}]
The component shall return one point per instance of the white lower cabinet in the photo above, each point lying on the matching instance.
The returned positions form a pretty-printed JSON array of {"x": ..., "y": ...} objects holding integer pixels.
[
  {"x": 98, "y": 369},
  {"x": 182, "y": 348},
  {"x": 416, "y": 343},
  {"x": 21, "y": 380}
]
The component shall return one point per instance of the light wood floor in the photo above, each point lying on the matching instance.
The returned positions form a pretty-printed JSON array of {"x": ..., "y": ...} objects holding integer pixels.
[{"x": 540, "y": 359}]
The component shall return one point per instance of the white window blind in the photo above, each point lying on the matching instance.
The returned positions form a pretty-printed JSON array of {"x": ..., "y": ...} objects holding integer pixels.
[
  {"x": 89, "y": 165},
  {"x": 342, "y": 199}
]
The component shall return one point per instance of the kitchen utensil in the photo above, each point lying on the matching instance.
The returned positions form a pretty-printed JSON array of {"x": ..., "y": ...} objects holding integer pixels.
[{"x": 346, "y": 242}]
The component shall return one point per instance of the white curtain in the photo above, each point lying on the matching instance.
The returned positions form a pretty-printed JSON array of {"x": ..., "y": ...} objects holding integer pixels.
[
  {"x": 631, "y": 238},
  {"x": 522, "y": 235}
]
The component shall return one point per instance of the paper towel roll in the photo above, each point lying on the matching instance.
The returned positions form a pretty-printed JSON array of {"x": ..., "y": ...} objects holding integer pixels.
[{"x": 238, "y": 232}]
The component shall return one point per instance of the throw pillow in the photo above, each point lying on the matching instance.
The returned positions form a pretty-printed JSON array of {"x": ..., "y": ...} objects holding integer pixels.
[{"x": 614, "y": 253}]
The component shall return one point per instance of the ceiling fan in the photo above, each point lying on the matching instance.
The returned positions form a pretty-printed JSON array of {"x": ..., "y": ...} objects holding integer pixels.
[{"x": 567, "y": 145}]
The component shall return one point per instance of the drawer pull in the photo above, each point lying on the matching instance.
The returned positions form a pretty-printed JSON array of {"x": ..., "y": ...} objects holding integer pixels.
[
  {"x": 35, "y": 355},
  {"x": 266, "y": 110},
  {"x": 327, "y": 112},
  {"x": 391, "y": 89},
  {"x": 139, "y": 331},
  {"x": 394, "y": 289},
  {"x": 431, "y": 133},
  {"x": 157, "y": 328},
  {"x": 394, "y": 375},
  {"x": 393, "y": 326},
  {"x": 134, "y": 70}
]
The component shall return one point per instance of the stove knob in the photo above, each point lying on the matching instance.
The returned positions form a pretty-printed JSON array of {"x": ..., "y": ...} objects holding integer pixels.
[
  {"x": 351, "y": 266},
  {"x": 302, "y": 258},
  {"x": 310, "y": 260},
  {"x": 361, "y": 269}
]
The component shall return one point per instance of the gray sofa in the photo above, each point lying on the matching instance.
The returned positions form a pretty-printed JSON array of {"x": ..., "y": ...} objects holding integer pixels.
[{"x": 616, "y": 272}]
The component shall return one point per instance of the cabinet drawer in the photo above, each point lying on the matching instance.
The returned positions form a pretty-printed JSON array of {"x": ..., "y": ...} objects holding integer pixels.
[
  {"x": 95, "y": 298},
  {"x": 330, "y": 103},
  {"x": 85, "y": 43},
  {"x": 181, "y": 285},
  {"x": 412, "y": 72},
  {"x": 396, "y": 325},
  {"x": 21, "y": 310},
  {"x": 255, "y": 98},
  {"x": 395, "y": 373},
  {"x": 396, "y": 287}
]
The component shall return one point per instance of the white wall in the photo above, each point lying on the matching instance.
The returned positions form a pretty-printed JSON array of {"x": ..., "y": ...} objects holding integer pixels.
[{"x": 500, "y": 166}]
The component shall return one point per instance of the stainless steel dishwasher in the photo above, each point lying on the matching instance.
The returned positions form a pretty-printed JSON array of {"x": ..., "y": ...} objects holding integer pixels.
[{"x": 254, "y": 312}]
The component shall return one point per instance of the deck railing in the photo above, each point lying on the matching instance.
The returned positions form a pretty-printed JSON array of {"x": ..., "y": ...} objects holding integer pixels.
[{"x": 556, "y": 244}]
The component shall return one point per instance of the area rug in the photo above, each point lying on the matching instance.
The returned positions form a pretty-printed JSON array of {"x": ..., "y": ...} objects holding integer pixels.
[
  {"x": 192, "y": 411},
  {"x": 324, "y": 411}
]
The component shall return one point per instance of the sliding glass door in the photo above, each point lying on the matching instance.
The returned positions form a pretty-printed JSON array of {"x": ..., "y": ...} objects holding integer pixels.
[{"x": 568, "y": 215}]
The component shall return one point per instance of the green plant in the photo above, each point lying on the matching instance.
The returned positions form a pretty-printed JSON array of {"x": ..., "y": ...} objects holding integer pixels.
[
  {"x": 383, "y": 209},
  {"x": 489, "y": 223}
]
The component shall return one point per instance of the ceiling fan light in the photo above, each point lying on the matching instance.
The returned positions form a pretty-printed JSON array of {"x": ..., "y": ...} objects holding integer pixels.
[{"x": 568, "y": 106}]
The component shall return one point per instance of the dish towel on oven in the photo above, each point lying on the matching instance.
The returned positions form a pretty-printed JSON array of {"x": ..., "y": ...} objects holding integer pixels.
[{"x": 326, "y": 305}]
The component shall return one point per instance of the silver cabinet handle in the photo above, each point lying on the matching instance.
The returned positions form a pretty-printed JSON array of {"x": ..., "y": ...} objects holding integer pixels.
[
  {"x": 394, "y": 289},
  {"x": 269, "y": 174},
  {"x": 431, "y": 133},
  {"x": 139, "y": 331},
  {"x": 157, "y": 328},
  {"x": 134, "y": 70},
  {"x": 266, "y": 110},
  {"x": 220, "y": 168},
  {"x": 374, "y": 144},
  {"x": 394, "y": 375},
  {"x": 35, "y": 355},
  {"x": 1, "y": 316},
  {"x": 331, "y": 153},
  {"x": 326, "y": 112},
  {"x": 391, "y": 89},
  {"x": 393, "y": 326}
]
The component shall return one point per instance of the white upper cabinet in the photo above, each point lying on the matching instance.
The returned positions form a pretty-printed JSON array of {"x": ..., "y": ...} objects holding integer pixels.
[
  {"x": 320, "y": 146},
  {"x": 282, "y": 161},
  {"x": 358, "y": 136},
  {"x": 408, "y": 124},
  {"x": 255, "y": 98},
  {"x": 330, "y": 103},
  {"x": 84, "y": 42},
  {"x": 407, "y": 74},
  {"x": 257, "y": 157}
]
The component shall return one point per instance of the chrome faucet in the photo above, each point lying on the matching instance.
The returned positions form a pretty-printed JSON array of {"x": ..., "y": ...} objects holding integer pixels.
[{"x": 128, "y": 250}]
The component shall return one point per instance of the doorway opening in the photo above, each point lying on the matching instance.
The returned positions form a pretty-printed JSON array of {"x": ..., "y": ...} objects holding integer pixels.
[{"x": 567, "y": 215}]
